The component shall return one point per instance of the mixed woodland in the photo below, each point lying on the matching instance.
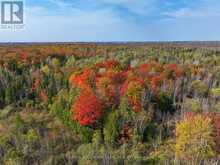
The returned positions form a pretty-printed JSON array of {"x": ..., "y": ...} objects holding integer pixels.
[{"x": 91, "y": 104}]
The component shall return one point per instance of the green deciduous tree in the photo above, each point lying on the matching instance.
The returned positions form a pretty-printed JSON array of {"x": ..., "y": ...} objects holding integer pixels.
[{"x": 111, "y": 128}]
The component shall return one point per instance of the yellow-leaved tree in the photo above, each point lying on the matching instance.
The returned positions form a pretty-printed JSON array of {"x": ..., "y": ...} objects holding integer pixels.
[{"x": 194, "y": 141}]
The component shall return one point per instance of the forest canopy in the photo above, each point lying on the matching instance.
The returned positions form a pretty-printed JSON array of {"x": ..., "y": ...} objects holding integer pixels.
[{"x": 109, "y": 104}]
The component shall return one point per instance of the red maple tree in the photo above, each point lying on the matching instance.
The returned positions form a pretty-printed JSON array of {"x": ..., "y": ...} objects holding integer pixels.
[
  {"x": 109, "y": 81},
  {"x": 87, "y": 108},
  {"x": 23, "y": 57}
]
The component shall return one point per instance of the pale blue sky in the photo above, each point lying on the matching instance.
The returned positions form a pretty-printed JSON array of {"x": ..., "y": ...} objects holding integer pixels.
[{"x": 118, "y": 20}]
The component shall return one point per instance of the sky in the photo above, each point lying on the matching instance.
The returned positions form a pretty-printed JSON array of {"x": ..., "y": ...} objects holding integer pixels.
[{"x": 117, "y": 20}]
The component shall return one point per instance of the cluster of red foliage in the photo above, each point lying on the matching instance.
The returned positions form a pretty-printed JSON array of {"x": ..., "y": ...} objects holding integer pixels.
[
  {"x": 83, "y": 79},
  {"x": 216, "y": 128},
  {"x": 87, "y": 108},
  {"x": 132, "y": 88},
  {"x": 156, "y": 82},
  {"x": 116, "y": 77},
  {"x": 156, "y": 73},
  {"x": 36, "y": 84},
  {"x": 125, "y": 134},
  {"x": 173, "y": 71},
  {"x": 135, "y": 103},
  {"x": 216, "y": 122},
  {"x": 128, "y": 84},
  {"x": 108, "y": 82},
  {"x": 106, "y": 90},
  {"x": 108, "y": 64},
  {"x": 43, "y": 96},
  {"x": 24, "y": 57}
]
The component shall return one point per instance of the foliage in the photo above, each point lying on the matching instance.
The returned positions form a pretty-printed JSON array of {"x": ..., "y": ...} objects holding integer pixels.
[
  {"x": 111, "y": 128},
  {"x": 32, "y": 136},
  {"x": 109, "y": 104},
  {"x": 199, "y": 87},
  {"x": 194, "y": 141},
  {"x": 216, "y": 92},
  {"x": 193, "y": 105},
  {"x": 87, "y": 108}
]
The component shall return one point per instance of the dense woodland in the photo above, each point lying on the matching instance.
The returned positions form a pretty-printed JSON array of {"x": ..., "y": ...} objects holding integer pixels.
[{"x": 86, "y": 104}]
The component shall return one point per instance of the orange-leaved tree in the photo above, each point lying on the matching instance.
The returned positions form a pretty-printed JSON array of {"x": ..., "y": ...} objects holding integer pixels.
[{"x": 87, "y": 108}]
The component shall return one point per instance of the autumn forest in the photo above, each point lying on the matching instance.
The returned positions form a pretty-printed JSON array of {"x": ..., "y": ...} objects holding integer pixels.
[{"x": 110, "y": 104}]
